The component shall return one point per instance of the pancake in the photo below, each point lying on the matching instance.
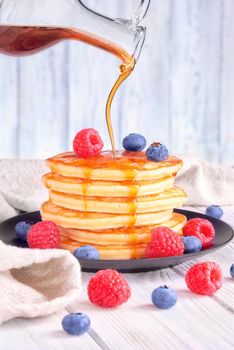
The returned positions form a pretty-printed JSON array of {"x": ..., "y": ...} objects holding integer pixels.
[
  {"x": 105, "y": 167},
  {"x": 77, "y": 186},
  {"x": 90, "y": 221},
  {"x": 170, "y": 198},
  {"x": 110, "y": 252},
  {"x": 123, "y": 235},
  {"x": 121, "y": 250}
]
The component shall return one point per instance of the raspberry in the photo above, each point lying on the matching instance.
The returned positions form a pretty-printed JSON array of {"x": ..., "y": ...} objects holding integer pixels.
[
  {"x": 164, "y": 242},
  {"x": 200, "y": 228},
  {"x": 108, "y": 288},
  {"x": 87, "y": 143},
  {"x": 44, "y": 235},
  {"x": 204, "y": 278}
]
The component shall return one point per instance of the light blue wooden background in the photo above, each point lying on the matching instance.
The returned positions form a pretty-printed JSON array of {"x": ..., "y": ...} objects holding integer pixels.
[{"x": 181, "y": 93}]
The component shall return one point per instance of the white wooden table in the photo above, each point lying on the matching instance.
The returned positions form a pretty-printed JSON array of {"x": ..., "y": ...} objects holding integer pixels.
[{"x": 195, "y": 322}]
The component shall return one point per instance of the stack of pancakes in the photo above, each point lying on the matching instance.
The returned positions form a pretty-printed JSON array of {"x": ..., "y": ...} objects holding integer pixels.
[{"x": 112, "y": 202}]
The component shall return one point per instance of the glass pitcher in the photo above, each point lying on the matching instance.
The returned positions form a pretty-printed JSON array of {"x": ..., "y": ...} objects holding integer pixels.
[{"x": 29, "y": 26}]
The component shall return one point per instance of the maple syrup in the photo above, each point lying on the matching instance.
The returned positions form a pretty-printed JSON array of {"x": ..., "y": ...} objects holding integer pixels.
[
  {"x": 129, "y": 162},
  {"x": 28, "y": 40}
]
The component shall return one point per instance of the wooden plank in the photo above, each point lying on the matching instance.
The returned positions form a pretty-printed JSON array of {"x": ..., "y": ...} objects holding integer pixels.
[
  {"x": 42, "y": 103},
  {"x": 42, "y": 333},
  {"x": 227, "y": 86},
  {"x": 196, "y": 28},
  {"x": 12, "y": 335},
  {"x": 8, "y": 107}
]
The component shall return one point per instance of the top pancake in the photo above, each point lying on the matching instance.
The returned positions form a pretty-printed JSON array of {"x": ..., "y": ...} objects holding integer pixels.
[{"x": 124, "y": 166}]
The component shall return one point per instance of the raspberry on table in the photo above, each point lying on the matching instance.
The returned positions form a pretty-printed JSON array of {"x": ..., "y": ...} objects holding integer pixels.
[
  {"x": 87, "y": 143},
  {"x": 204, "y": 278},
  {"x": 164, "y": 242},
  {"x": 200, "y": 228},
  {"x": 108, "y": 288},
  {"x": 44, "y": 235}
]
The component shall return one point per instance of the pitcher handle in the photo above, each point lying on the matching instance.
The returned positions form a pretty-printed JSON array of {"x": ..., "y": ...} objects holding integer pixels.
[
  {"x": 137, "y": 17},
  {"x": 133, "y": 22},
  {"x": 140, "y": 12}
]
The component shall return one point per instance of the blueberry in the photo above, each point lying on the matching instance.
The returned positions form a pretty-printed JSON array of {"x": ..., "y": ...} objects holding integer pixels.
[
  {"x": 157, "y": 152},
  {"x": 215, "y": 211},
  {"x": 76, "y": 324},
  {"x": 87, "y": 252},
  {"x": 232, "y": 270},
  {"x": 192, "y": 244},
  {"x": 134, "y": 142},
  {"x": 21, "y": 230},
  {"x": 164, "y": 297}
]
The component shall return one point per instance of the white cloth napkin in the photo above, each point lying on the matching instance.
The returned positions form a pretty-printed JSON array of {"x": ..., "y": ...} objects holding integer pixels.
[
  {"x": 206, "y": 183},
  {"x": 21, "y": 187},
  {"x": 36, "y": 282}
]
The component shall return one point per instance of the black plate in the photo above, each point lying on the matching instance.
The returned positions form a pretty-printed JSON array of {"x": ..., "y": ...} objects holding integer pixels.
[{"x": 224, "y": 234}]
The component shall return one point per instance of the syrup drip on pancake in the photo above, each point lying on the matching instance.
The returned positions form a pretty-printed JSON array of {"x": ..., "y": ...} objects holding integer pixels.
[
  {"x": 85, "y": 182},
  {"x": 133, "y": 191}
]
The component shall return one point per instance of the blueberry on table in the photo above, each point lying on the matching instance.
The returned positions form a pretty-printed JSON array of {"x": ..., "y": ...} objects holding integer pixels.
[
  {"x": 21, "y": 230},
  {"x": 215, "y": 211},
  {"x": 134, "y": 143},
  {"x": 76, "y": 323},
  {"x": 232, "y": 270},
  {"x": 164, "y": 297},
  {"x": 192, "y": 244}
]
